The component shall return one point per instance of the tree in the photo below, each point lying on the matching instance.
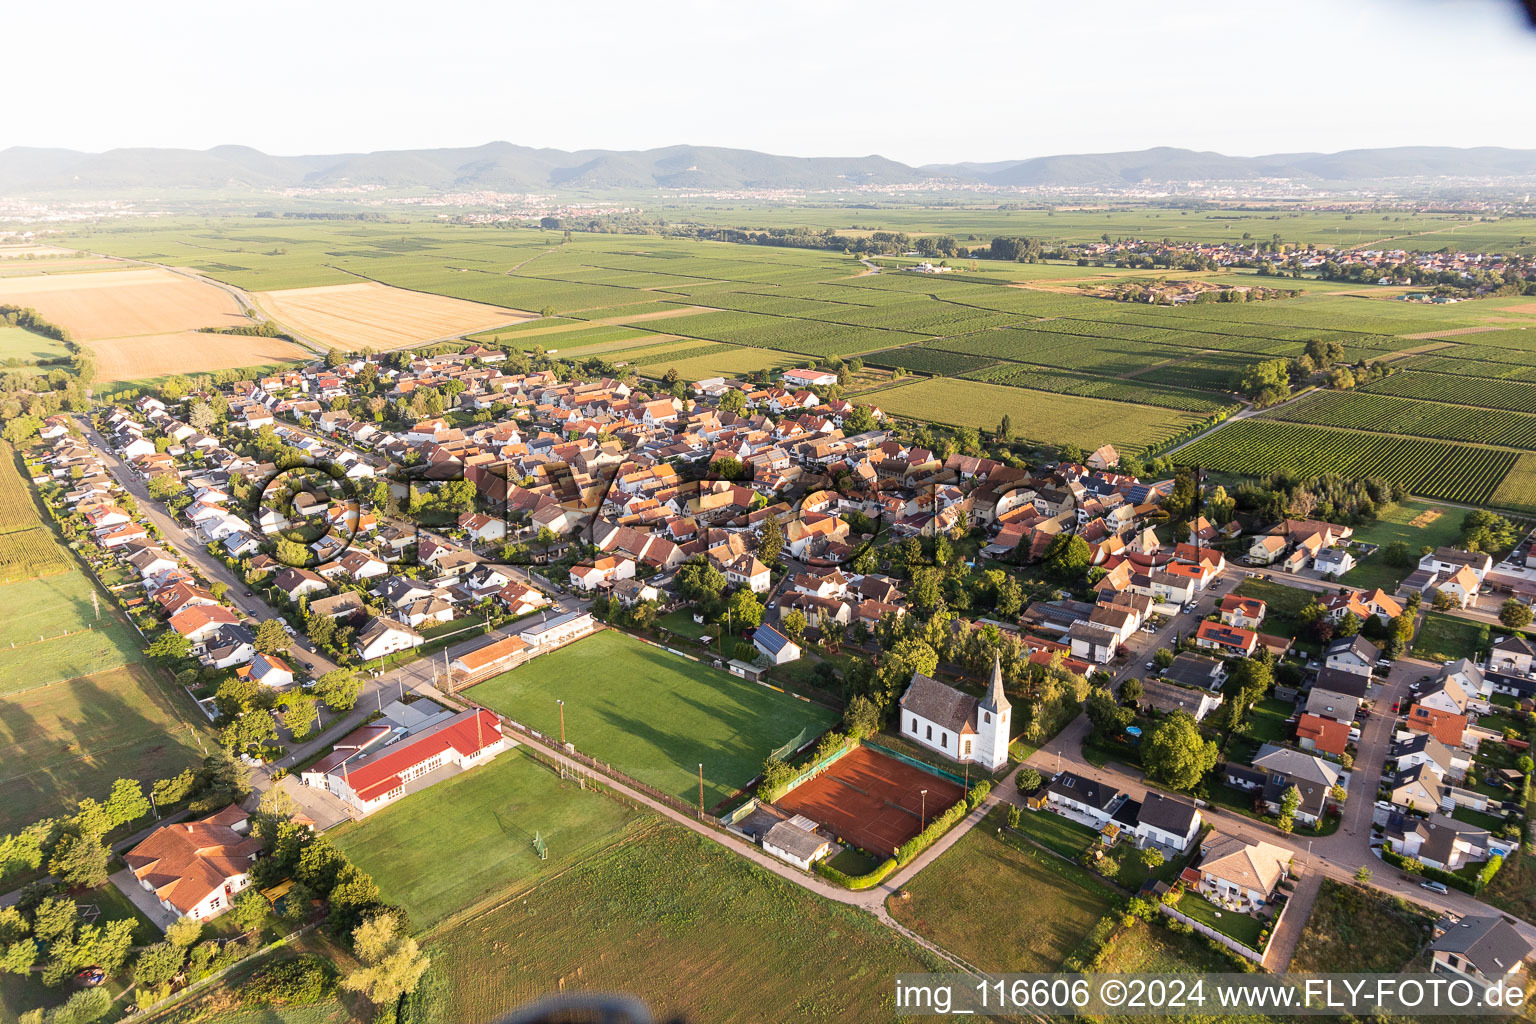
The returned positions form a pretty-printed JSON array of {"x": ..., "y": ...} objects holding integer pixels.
[
  {"x": 733, "y": 401},
  {"x": 1067, "y": 557},
  {"x": 1131, "y": 691},
  {"x": 793, "y": 625},
  {"x": 1514, "y": 614},
  {"x": 1175, "y": 753},
  {"x": 272, "y": 638},
  {"x": 164, "y": 487},
  {"x": 1107, "y": 716},
  {"x": 1005, "y": 428},
  {"x": 697, "y": 580},
  {"x": 18, "y": 957},
  {"x": 158, "y": 964},
  {"x": 861, "y": 719},
  {"x": 727, "y": 467},
  {"x": 184, "y": 932},
  {"x": 1363, "y": 875},
  {"x": 771, "y": 542},
  {"x": 1348, "y": 625},
  {"x": 1152, "y": 858},
  {"x": 745, "y": 611},
  {"x": 83, "y": 1007},
  {"x": 169, "y": 646},
  {"x": 1162, "y": 657},
  {"x": 1398, "y": 554},
  {"x": 1028, "y": 779},
  {"x": 249, "y": 910},
  {"x": 1288, "y": 805},
  {"x": 80, "y": 860},
  {"x": 300, "y": 715},
  {"x": 338, "y": 688},
  {"x": 391, "y": 963},
  {"x": 126, "y": 802},
  {"x": 1486, "y": 531},
  {"x": 1267, "y": 382}
]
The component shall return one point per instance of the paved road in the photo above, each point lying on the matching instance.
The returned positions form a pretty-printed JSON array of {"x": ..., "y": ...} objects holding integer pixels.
[
  {"x": 193, "y": 550},
  {"x": 1337, "y": 856}
]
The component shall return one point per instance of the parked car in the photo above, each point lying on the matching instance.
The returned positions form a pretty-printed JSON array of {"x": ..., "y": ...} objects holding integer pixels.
[
  {"x": 1151, "y": 665},
  {"x": 1438, "y": 887}
]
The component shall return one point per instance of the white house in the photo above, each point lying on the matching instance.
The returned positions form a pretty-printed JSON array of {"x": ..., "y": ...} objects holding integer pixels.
[
  {"x": 1165, "y": 821},
  {"x": 807, "y": 378},
  {"x": 795, "y": 841},
  {"x": 1354, "y": 654},
  {"x": 956, "y": 724},
  {"x": 385, "y": 636},
  {"x": 1240, "y": 874},
  {"x": 775, "y": 646},
  {"x": 1484, "y": 948},
  {"x": 196, "y": 868}
]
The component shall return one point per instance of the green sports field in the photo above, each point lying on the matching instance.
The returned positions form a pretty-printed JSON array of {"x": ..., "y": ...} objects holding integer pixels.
[
  {"x": 654, "y": 715},
  {"x": 490, "y": 815}
]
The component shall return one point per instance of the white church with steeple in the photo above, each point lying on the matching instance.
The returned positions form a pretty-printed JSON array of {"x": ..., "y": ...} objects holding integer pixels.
[{"x": 955, "y": 724}]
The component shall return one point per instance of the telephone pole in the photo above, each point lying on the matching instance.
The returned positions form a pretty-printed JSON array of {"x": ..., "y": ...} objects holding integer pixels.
[
  {"x": 562, "y": 721},
  {"x": 701, "y": 791}
]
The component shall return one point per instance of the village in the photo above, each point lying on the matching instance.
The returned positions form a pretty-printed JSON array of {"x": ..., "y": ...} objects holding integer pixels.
[{"x": 1112, "y": 656}]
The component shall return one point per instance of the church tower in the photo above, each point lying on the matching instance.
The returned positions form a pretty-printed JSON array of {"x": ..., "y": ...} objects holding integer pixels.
[{"x": 993, "y": 718}]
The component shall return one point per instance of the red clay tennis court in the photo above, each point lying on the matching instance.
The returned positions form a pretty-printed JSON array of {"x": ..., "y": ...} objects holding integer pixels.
[{"x": 871, "y": 800}]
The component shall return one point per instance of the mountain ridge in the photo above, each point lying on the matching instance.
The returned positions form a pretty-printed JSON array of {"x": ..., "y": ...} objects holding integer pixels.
[{"x": 507, "y": 167}]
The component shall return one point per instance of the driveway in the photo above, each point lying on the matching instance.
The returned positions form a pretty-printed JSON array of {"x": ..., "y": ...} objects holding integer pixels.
[{"x": 143, "y": 899}]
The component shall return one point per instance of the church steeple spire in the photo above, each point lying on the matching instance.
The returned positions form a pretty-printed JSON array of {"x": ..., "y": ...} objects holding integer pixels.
[{"x": 995, "y": 701}]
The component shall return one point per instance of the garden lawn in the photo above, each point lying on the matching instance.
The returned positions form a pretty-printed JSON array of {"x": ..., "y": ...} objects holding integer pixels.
[
  {"x": 688, "y": 928},
  {"x": 1002, "y": 905},
  {"x": 654, "y": 715},
  {"x": 1054, "y": 832},
  {"x": 1354, "y": 929},
  {"x": 1283, "y": 604},
  {"x": 1266, "y": 721},
  {"x": 1395, "y": 523},
  {"x": 489, "y": 815},
  {"x": 1446, "y": 638},
  {"x": 1152, "y": 948},
  {"x": 1239, "y": 926}
]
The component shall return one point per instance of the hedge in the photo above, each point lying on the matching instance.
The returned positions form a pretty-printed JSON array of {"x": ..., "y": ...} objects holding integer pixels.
[
  {"x": 943, "y": 823},
  {"x": 1450, "y": 878},
  {"x": 857, "y": 882}
]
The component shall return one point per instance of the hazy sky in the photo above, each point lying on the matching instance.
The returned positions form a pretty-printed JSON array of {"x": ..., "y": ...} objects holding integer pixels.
[{"x": 921, "y": 82}]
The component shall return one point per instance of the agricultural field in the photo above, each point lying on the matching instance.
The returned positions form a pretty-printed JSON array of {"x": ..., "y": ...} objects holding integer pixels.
[
  {"x": 493, "y": 813},
  {"x": 1518, "y": 488},
  {"x": 997, "y": 335},
  {"x": 967, "y": 901},
  {"x": 1431, "y": 469},
  {"x": 70, "y": 740},
  {"x": 371, "y": 315},
  {"x": 158, "y": 355},
  {"x": 671, "y": 715},
  {"x": 665, "y": 918},
  {"x": 1036, "y": 415},
  {"x": 1415, "y": 417},
  {"x": 49, "y": 632},
  {"x": 93, "y": 307}
]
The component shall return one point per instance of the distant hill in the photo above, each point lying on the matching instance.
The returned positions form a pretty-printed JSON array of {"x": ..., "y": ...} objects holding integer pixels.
[{"x": 504, "y": 167}]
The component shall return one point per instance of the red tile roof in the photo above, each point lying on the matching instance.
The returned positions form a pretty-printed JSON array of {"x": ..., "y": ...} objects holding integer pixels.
[{"x": 468, "y": 733}]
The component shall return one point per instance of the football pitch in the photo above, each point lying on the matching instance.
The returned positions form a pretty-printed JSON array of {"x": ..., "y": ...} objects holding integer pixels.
[
  {"x": 654, "y": 715},
  {"x": 492, "y": 814}
]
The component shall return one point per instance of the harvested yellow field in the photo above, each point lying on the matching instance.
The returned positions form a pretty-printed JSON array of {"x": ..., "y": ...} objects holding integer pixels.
[
  {"x": 122, "y": 303},
  {"x": 377, "y": 316},
  {"x": 31, "y": 251},
  {"x": 156, "y": 355}
]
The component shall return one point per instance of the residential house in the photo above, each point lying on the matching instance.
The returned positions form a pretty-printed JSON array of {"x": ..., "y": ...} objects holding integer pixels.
[
  {"x": 775, "y": 646},
  {"x": 1485, "y": 948},
  {"x": 1446, "y": 561},
  {"x": 383, "y": 636},
  {"x": 1439, "y": 841},
  {"x": 1239, "y": 874},
  {"x": 1243, "y": 612},
  {"x": 1232, "y": 640},
  {"x": 1198, "y": 671},
  {"x": 196, "y": 868},
  {"x": 1353, "y": 654},
  {"x": 1277, "y": 770},
  {"x": 1166, "y": 697},
  {"x": 1078, "y": 798}
]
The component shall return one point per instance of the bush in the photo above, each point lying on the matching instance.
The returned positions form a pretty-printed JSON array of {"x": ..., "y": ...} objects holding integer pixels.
[
  {"x": 1027, "y": 779},
  {"x": 304, "y": 979},
  {"x": 977, "y": 794},
  {"x": 857, "y": 882}
]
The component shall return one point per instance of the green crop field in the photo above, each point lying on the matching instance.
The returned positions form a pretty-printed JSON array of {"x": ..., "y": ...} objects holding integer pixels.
[
  {"x": 665, "y": 918},
  {"x": 1419, "y": 418},
  {"x": 70, "y": 740},
  {"x": 998, "y": 337},
  {"x": 655, "y": 715},
  {"x": 1037, "y": 415},
  {"x": 1518, "y": 489},
  {"x": 967, "y": 901},
  {"x": 493, "y": 813},
  {"x": 1432, "y": 469}
]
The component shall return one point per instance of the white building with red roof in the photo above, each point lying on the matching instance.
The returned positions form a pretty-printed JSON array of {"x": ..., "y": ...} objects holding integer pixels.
[
  {"x": 196, "y": 868},
  {"x": 378, "y": 776}
]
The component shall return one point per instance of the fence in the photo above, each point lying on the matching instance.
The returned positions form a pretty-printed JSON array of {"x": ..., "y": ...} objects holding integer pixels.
[
  {"x": 924, "y": 765},
  {"x": 569, "y": 750},
  {"x": 1245, "y": 951}
]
